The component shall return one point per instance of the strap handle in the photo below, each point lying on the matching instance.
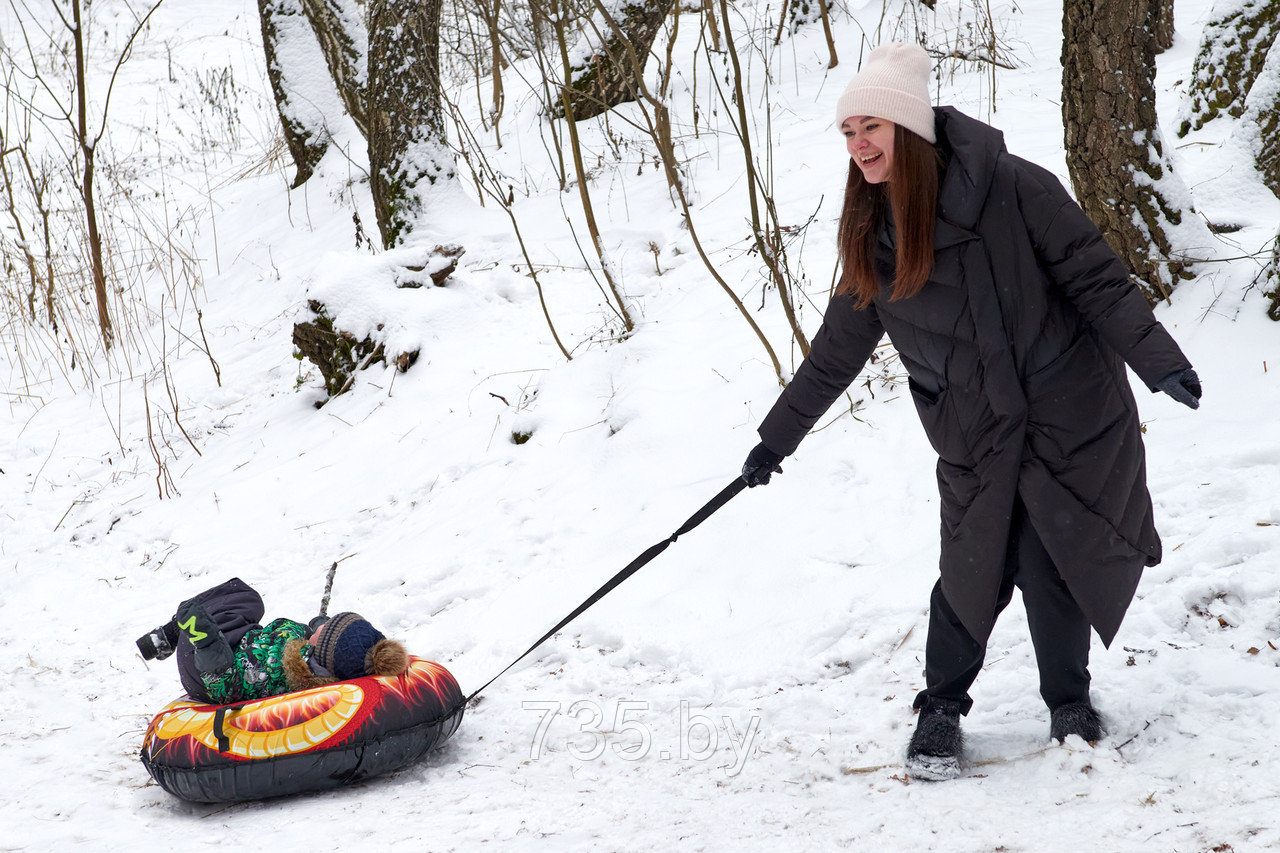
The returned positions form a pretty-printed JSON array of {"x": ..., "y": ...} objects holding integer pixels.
[
  {"x": 219, "y": 732},
  {"x": 726, "y": 494}
]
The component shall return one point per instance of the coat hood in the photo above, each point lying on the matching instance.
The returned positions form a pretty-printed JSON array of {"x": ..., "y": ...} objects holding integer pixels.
[{"x": 297, "y": 671}]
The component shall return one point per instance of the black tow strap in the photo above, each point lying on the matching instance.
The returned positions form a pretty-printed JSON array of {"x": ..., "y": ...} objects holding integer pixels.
[
  {"x": 219, "y": 718},
  {"x": 726, "y": 494}
]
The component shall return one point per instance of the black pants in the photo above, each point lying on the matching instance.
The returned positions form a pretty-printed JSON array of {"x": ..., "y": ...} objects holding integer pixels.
[
  {"x": 1059, "y": 630},
  {"x": 235, "y": 607}
]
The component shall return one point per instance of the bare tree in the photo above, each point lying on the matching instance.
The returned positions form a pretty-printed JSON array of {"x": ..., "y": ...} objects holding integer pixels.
[
  {"x": 607, "y": 77},
  {"x": 408, "y": 148},
  {"x": 87, "y": 128},
  {"x": 340, "y": 27},
  {"x": 88, "y": 141},
  {"x": 490, "y": 11},
  {"x": 657, "y": 123},
  {"x": 1115, "y": 152},
  {"x": 301, "y": 120},
  {"x": 797, "y": 13},
  {"x": 36, "y": 180},
  {"x": 766, "y": 229},
  {"x": 558, "y": 18}
]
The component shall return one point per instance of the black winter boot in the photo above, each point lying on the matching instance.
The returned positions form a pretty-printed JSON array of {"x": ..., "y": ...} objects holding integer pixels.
[
  {"x": 937, "y": 744},
  {"x": 1076, "y": 718},
  {"x": 159, "y": 643}
]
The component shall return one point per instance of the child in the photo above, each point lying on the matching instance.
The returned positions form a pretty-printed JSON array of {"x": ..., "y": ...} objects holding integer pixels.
[{"x": 225, "y": 656}]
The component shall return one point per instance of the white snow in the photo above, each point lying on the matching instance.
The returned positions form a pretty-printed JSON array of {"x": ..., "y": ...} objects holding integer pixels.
[{"x": 748, "y": 690}]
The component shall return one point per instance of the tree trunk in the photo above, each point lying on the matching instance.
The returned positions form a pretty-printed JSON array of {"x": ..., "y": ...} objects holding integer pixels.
[
  {"x": 826, "y": 31},
  {"x": 607, "y": 77},
  {"x": 1258, "y": 131},
  {"x": 797, "y": 14},
  {"x": 709, "y": 19},
  {"x": 1233, "y": 48},
  {"x": 1261, "y": 120},
  {"x": 1273, "y": 276},
  {"x": 1115, "y": 153},
  {"x": 337, "y": 353},
  {"x": 492, "y": 22},
  {"x": 767, "y": 236},
  {"x": 24, "y": 245},
  {"x": 1164, "y": 25},
  {"x": 86, "y": 145},
  {"x": 301, "y": 119},
  {"x": 340, "y": 28},
  {"x": 407, "y": 141},
  {"x": 558, "y": 18}
]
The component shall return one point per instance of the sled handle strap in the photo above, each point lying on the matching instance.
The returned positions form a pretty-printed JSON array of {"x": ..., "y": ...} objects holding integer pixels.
[
  {"x": 726, "y": 494},
  {"x": 219, "y": 717}
]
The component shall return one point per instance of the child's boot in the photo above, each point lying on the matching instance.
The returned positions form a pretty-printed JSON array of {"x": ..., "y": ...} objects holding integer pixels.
[{"x": 158, "y": 643}]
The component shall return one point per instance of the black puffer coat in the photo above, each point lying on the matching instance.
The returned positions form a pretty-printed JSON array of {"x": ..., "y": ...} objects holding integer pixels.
[{"x": 1015, "y": 349}]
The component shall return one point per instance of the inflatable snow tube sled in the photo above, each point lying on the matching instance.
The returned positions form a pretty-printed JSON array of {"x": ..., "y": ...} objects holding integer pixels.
[{"x": 310, "y": 740}]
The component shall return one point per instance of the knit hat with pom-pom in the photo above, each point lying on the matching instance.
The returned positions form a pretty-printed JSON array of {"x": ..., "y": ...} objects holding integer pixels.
[
  {"x": 349, "y": 647},
  {"x": 893, "y": 85}
]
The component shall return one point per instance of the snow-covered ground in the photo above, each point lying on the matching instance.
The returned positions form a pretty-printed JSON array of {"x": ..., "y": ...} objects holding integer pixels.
[{"x": 751, "y": 688}]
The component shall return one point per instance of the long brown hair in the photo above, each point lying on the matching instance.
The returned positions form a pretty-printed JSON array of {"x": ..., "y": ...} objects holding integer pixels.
[{"x": 911, "y": 197}]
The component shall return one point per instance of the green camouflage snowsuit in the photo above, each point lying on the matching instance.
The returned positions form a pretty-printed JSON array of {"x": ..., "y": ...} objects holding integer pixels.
[{"x": 267, "y": 660}]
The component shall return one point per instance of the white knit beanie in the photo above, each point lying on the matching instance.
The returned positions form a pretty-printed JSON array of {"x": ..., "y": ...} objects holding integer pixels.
[{"x": 893, "y": 85}]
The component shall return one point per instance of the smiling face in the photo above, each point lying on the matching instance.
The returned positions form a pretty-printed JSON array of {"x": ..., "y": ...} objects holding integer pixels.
[{"x": 870, "y": 143}]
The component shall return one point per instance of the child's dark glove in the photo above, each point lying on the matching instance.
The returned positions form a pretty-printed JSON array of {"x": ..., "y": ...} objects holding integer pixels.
[
  {"x": 213, "y": 652},
  {"x": 762, "y": 463},
  {"x": 197, "y": 625},
  {"x": 1183, "y": 386},
  {"x": 315, "y": 624}
]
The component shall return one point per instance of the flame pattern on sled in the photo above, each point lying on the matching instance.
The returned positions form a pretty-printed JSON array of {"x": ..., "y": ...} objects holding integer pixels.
[{"x": 310, "y": 740}]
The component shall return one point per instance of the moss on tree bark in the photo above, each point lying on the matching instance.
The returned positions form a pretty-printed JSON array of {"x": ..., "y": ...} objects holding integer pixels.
[
  {"x": 1233, "y": 48},
  {"x": 408, "y": 148}
]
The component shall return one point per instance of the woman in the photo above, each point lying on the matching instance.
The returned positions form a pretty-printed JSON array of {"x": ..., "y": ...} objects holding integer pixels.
[{"x": 1014, "y": 321}]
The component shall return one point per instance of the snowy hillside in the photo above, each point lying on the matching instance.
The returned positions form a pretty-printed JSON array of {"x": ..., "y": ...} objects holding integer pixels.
[{"x": 751, "y": 689}]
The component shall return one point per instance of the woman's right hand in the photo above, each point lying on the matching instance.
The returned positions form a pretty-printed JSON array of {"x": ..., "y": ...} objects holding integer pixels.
[{"x": 762, "y": 463}]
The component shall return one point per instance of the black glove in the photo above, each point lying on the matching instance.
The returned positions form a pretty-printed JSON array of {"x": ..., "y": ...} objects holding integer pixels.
[
  {"x": 213, "y": 652},
  {"x": 1183, "y": 386},
  {"x": 761, "y": 464},
  {"x": 315, "y": 623}
]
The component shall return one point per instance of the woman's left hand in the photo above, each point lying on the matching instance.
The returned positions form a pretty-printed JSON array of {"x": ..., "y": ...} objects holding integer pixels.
[{"x": 1183, "y": 386}]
